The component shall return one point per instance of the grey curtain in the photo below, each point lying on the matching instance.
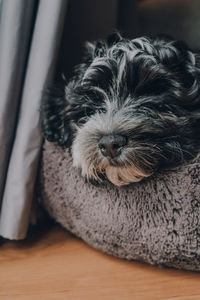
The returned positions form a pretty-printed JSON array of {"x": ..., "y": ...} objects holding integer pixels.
[{"x": 30, "y": 34}]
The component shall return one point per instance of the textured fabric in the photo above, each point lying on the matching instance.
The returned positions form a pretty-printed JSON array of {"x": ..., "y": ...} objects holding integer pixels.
[
  {"x": 29, "y": 39},
  {"x": 156, "y": 220}
]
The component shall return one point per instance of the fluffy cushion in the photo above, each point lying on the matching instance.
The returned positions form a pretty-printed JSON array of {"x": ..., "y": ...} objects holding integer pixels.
[{"x": 155, "y": 221}]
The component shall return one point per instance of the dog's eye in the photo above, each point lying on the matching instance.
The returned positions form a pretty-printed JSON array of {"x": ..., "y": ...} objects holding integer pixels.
[{"x": 81, "y": 121}]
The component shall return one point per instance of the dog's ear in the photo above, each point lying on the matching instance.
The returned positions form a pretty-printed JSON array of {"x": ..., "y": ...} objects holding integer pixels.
[
  {"x": 190, "y": 77},
  {"x": 169, "y": 52},
  {"x": 54, "y": 125},
  {"x": 180, "y": 60}
]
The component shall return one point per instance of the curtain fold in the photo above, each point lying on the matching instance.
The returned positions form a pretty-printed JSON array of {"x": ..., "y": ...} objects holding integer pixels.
[
  {"x": 14, "y": 43},
  {"x": 27, "y": 64}
]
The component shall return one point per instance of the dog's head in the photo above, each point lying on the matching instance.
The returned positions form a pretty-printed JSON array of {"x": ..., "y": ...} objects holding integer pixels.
[{"x": 132, "y": 107}]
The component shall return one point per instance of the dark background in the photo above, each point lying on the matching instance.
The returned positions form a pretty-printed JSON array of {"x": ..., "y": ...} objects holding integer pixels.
[{"x": 93, "y": 19}]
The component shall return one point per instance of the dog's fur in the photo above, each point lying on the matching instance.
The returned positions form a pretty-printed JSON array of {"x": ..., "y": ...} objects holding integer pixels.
[{"x": 145, "y": 89}]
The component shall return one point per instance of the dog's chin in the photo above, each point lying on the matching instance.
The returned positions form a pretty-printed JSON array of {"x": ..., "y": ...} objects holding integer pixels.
[
  {"x": 117, "y": 175},
  {"x": 120, "y": 176}
]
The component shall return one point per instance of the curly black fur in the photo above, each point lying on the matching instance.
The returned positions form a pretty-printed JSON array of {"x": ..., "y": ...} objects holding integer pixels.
[{"x": 154, "y": 82}]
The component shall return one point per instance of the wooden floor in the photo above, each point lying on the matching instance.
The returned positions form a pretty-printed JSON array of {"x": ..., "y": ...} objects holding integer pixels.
[{"x": 51, "y": 264}]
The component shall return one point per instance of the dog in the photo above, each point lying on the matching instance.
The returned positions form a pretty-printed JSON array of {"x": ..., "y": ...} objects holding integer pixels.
[{"x": 131, "y": 109}]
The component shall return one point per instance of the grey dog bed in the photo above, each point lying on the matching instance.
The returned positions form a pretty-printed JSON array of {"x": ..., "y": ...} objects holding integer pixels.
[{"x": 155, "y": 221}]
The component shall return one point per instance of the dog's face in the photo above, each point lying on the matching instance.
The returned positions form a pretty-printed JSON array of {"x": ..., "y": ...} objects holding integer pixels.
[{"x": 132, "y": 108}]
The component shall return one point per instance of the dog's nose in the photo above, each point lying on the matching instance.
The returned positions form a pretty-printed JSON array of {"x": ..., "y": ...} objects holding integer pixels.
[{"x": 111, "y": 145}]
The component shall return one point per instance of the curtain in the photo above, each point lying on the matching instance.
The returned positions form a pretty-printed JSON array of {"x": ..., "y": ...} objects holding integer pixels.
[{"x": 30, "y": 34}]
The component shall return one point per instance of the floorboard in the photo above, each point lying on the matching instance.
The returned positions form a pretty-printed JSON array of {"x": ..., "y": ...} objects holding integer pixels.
[{"x": 52, "y": 264}]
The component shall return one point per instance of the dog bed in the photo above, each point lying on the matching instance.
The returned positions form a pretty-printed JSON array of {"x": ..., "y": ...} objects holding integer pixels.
[{"x": 156, "y": 221}]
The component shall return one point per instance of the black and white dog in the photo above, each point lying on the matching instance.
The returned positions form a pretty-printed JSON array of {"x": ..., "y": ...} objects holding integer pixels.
[{"x": 132, "y": 107}]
